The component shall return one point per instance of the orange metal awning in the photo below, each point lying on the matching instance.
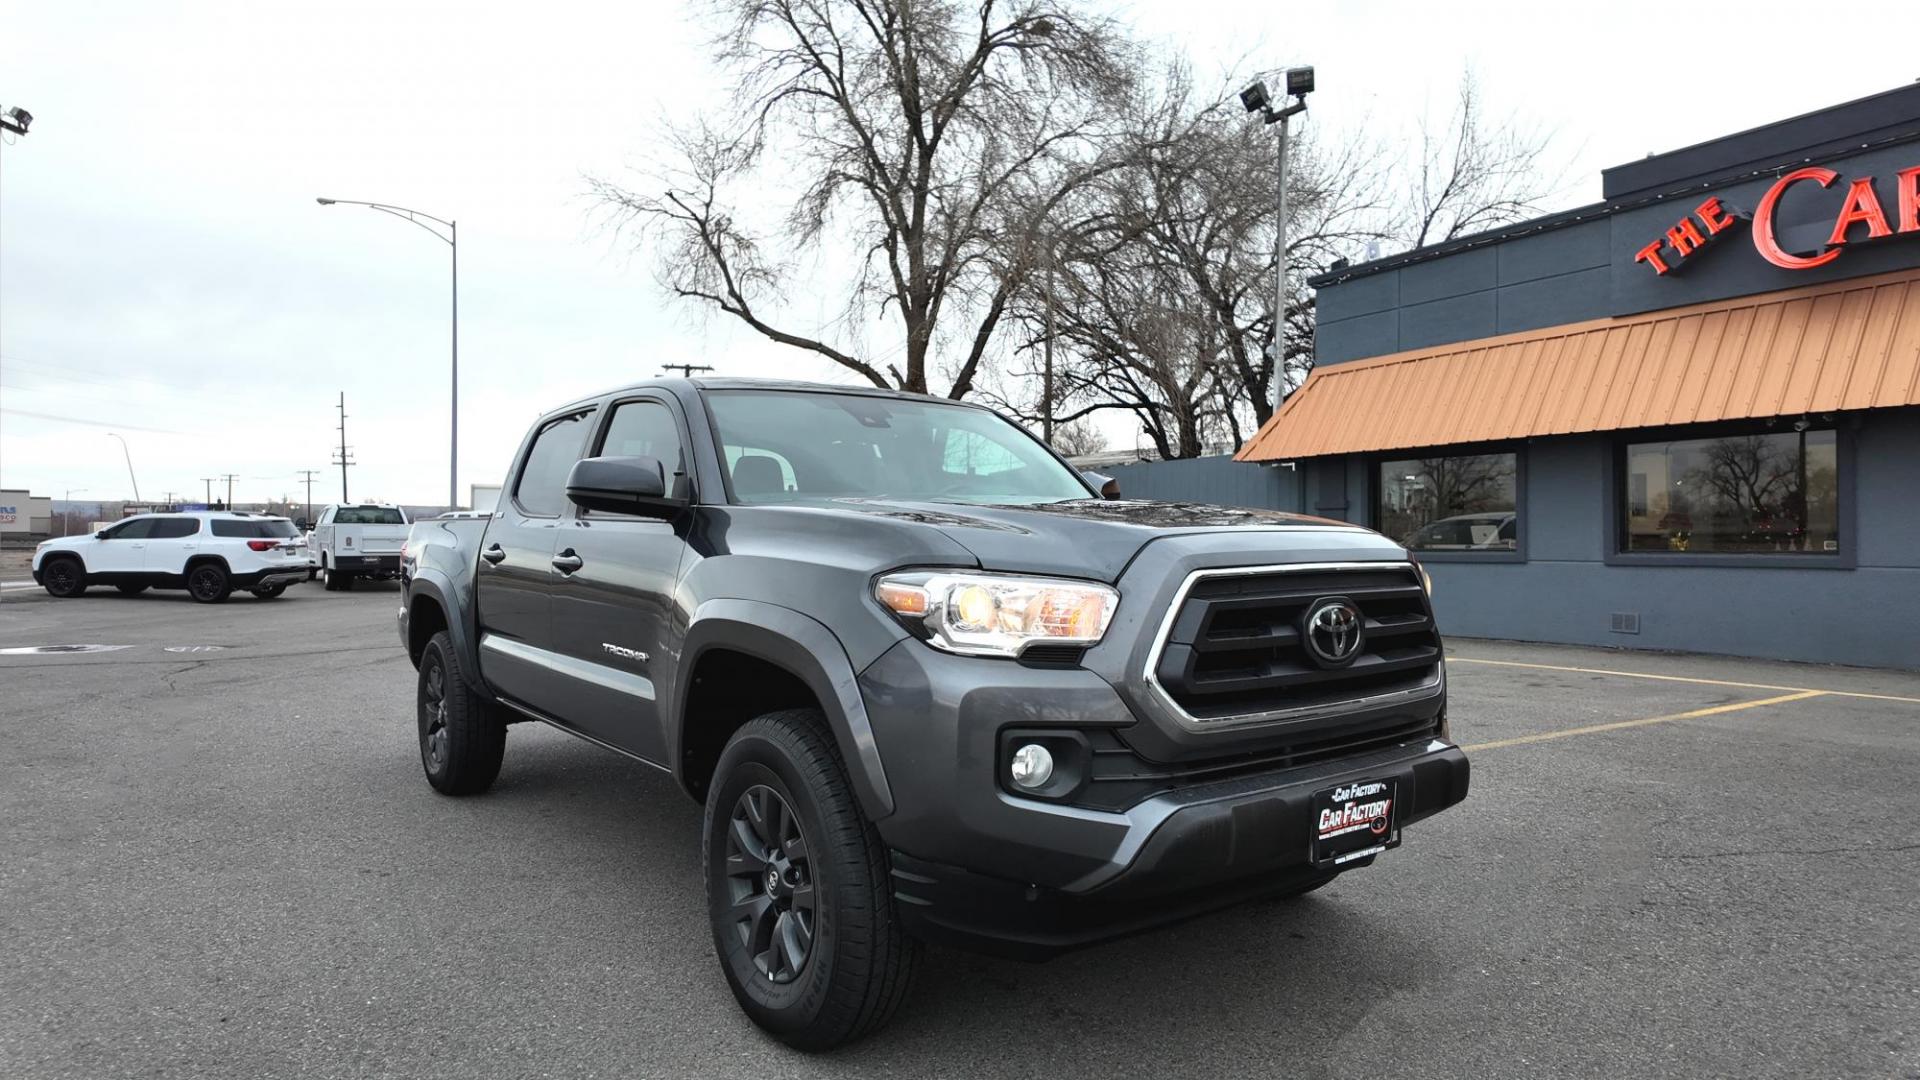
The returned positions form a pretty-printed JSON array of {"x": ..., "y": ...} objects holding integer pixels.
[{"x": 1845, "y": 345}]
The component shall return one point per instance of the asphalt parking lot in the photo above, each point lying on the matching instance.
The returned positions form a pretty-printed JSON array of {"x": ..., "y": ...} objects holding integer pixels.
[{"x": 224, "y": 862}]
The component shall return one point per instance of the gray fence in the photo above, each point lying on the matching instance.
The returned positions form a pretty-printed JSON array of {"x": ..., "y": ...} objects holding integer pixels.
[{"x": 1210, "y": 480}]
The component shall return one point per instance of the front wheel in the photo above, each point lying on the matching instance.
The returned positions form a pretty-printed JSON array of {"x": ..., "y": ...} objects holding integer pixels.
[
  {"x": 208, "y": 583},
  {"x": 64, "y": 578},
  {"x": 462, "y": 736},
  {"x": 798, "y": 889}
]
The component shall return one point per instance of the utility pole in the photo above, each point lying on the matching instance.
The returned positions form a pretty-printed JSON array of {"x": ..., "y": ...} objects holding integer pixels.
[
  {"x": 343, "y": 456},
  {"x": 230, "y": 478},
  {"x": 208, "y": 480},
  {"x": 685, "y": 370},
  {"x": 308, "y": 475}
]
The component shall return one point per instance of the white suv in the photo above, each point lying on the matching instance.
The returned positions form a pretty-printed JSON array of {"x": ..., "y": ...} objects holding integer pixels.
[{"x": 208, "y": 554}]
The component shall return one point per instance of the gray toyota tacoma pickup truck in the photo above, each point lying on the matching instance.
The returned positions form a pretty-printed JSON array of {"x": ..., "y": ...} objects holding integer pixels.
[{"x": 927, "y": 684}]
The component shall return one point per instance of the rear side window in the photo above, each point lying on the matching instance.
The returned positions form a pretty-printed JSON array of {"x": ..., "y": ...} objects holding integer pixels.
[
  {"x": 541, "y": 489},
  {"x": 368, "y": 515},
  {"x": 255, "y": 529},
  {"x": 174, "y": 528}
]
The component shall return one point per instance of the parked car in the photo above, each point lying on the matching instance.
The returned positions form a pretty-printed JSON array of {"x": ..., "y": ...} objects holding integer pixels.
[
  {"x": 927, "y": 684},
  {"x": 350, "y": 542},
  {"x": 209, "y": 554},
  {"x": 1467, "y": 532}
]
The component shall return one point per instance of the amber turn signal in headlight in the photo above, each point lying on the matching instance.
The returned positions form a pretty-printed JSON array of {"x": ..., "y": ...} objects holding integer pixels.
[{"x": 996, "y": 614}]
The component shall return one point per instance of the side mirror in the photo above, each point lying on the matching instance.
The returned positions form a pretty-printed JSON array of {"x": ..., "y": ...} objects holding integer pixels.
[
  {"x": 101, "y": 535},
  {"x": 622, "y": 485},
  {"x": 301, "y": 524},
  {"x": 1107, "y": 486}
]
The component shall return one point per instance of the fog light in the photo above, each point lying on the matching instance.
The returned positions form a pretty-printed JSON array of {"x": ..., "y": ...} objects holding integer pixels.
[{"x": 1032, "y": 766}]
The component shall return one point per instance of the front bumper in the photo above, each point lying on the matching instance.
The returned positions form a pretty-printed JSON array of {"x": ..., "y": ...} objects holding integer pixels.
[{"x": 977, "y": 866}]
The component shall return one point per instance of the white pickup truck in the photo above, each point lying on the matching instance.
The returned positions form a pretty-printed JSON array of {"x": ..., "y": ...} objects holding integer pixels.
[{"x": 357, "y": 541}]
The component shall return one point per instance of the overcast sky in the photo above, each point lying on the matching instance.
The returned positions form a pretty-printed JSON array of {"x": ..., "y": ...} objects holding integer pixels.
[{"x": 165, "y": 273}]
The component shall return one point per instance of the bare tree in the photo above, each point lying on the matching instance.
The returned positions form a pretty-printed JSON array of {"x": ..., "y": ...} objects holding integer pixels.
[
  {"x": 920, "y": 142},
  {"x": 1078, "y": 439},
  {"x": 1160, "y": 287},
  {"x": 1471, "y": 176}
]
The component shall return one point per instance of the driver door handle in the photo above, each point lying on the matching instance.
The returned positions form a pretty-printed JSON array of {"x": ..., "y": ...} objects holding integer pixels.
[
  {"x": 494, "y": 554},
  {"x": 567, "y": 562}
]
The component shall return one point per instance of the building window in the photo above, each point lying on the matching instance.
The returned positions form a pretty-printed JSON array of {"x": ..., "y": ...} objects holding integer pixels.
[
  {"x": 1462, "y": 502},
  {"x": 1751, "y": 494}
]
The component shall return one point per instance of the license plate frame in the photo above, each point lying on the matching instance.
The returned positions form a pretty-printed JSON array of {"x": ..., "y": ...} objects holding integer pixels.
[{"x": 1353, "y": 820}]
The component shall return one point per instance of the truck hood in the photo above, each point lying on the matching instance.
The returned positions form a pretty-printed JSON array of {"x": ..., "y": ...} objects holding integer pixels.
[{"x": 1093, "y": 538}]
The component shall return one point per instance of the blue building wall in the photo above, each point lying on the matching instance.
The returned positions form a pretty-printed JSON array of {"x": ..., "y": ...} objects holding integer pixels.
[{"x": 1563, "y": 590}]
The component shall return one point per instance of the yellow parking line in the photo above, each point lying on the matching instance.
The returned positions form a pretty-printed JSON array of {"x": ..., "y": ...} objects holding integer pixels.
[
  {"x": 1618, "y": 725},
  {"x": 1678, "y": 678}
]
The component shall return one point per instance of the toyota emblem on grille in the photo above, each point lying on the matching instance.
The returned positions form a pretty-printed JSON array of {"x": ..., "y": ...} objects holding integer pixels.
[{"x": 1332, "y": 631}]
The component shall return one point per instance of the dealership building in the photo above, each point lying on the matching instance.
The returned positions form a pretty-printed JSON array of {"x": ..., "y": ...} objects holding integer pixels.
[{"x": 1684, "y": 417}]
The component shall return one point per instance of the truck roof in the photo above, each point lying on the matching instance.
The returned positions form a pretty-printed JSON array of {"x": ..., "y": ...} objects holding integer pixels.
[{"x": 742, "y": 383}]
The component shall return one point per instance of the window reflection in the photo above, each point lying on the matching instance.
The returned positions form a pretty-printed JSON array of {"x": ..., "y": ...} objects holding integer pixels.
[
  {"x": 1773, "y": 492},
  {"x": 1461, "y": 502}
]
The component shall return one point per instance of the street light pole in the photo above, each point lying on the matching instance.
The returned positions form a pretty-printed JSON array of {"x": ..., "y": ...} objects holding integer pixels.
[
  {"x": 451, "y": 238},
  {"x": 129, "y": 456}
]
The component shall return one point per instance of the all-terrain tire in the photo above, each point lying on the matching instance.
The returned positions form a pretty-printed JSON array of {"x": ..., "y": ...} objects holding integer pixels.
[
  {"x": 462, "y": 735},
  {"x": 209, "y": 583},
  {"x": 860, "y": 962},
  {"x": 63, "y": 576}
]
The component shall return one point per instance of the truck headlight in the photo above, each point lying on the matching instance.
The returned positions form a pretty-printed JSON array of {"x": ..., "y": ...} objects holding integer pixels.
[{"x": 996, "y": 614}]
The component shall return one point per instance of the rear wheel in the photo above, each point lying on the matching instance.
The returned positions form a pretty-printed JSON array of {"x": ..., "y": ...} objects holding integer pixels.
[
  {"x": 131, "y": 590},
  {"x": 64, "y": 577},
  {"x": 268, "y": 592},
  {"x": 798, "y": 889},
  {"x": 208, "y": 583},
  {"x": 334, "y": 580},
  {"x": 462, "y": 736}
]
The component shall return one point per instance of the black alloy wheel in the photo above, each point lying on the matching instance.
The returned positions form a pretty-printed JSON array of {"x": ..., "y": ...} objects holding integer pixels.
[
  {"x": 433, "y": 718},
  {"x": 63, "y": 577},
  {"x": 770, "y": 884},
  {"x": 208, "y": 583}
]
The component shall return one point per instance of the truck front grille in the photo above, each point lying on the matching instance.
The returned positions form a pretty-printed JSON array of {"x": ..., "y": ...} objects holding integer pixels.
[{"x": 1236, "y": 647}]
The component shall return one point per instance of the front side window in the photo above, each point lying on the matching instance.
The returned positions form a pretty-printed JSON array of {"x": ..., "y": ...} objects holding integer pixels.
[
  {"x": 784, "y": 446},
  {"x": 1767, "y": 493},
  {"x": 1460, "y": 502},
  {"x": 541, "y": 489},
  {"x": 644, "y": 429},
  {"x": 174, "y": 528},
  {"x": 137, "y": 529}
]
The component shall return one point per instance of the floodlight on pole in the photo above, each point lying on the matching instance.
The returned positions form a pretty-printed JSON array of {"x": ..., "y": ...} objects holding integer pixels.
[{"x": 1256, "y": 98}]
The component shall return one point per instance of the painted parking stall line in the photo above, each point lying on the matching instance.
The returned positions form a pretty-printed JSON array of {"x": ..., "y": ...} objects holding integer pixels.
[
  {"x": 1680, "y": 679},
  {"x": 1622, "y": 725}
]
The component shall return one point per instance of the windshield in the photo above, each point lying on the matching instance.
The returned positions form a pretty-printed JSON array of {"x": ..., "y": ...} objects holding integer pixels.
[
  {"x": 784, "y": 446},
  {"x": 368, "y": 515}
]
